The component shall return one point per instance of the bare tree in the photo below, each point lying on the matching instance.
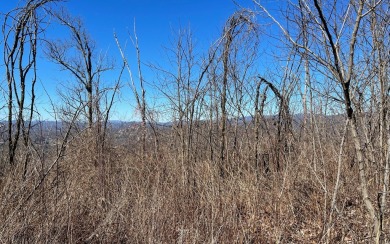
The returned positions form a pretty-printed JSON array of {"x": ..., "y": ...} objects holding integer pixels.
[
  {"x": 239, "y": 23},
  {"x": 78, "y": 56},
  {"x": 258, "y": 116},
  {"x": 21, "y": 30},
  {"x": 284, "y": 121},
  {"x": 140, "y": 96},
  {"x": 334, "y": 31},
  {"x": 184, "y": 85}
]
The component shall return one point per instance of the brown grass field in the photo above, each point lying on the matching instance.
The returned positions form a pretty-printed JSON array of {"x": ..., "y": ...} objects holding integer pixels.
[{"x": 111, "y": 196}]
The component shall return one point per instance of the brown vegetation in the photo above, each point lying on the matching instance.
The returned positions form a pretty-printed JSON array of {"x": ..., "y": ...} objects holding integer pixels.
[
  {"x": 113, "y": 197},
  {"x": 223, "y": 170}
]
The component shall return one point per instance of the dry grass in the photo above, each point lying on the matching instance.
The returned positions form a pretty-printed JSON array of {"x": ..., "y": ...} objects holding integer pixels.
[{"x": 112, "y": 197}]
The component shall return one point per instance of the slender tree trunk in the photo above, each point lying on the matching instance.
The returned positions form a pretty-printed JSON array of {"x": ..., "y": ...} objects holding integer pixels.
[
  {"x": 90, "y": 104},
  {"x": 10, "y": 122},
  {"x": 223, "y": 140}
]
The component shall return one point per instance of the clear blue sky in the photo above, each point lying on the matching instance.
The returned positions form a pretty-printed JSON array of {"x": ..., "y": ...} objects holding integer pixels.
[
  {"x": 156, "y": 22},
  {"x": 155, "y": 19}
]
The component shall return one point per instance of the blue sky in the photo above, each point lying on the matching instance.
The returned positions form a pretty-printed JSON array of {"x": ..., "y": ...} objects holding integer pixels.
[
  {"x": 155, "y": 19},
  {"x": 156, "y": 22}
]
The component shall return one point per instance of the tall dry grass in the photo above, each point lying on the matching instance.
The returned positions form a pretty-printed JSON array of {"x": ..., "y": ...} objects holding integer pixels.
[{"x": 111, "y": 196}]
